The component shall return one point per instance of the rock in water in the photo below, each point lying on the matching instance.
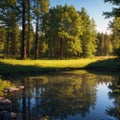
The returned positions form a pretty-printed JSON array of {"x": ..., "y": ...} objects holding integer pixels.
[
  {"x": 1, "y": 98},
  {"x": 21, "y": 87},
  {"x": 5, "y": 115},
  {"x": 5, "y": 104}
]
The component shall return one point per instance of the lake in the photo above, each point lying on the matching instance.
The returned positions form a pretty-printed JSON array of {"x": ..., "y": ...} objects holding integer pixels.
[{"x": 75, "y": 95}]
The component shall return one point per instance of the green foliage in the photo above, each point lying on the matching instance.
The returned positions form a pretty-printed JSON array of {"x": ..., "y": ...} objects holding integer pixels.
[
  {"x": 88, "y": 38},
  {"x": 31, "y": 37},
  {"x": 2, "y": 39},
  {"x": 115, "y": 10},
  {"x": 4, "y": 84},
  {"x": 43, "y": 46},
  {"x": 60, "y": 32},
  {"x": 63, "y": 30},
  {"x": 116, "y": 2},
  {"x": 115, "y": 26}
]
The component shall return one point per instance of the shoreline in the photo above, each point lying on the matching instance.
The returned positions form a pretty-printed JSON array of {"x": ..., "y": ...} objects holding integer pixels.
[{"x": 10, "y": 68}]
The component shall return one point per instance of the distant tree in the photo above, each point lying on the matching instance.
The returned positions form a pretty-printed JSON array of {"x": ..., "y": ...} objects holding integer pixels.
[
  {"x": 2, "y": 38},
  {"x": 15, "y": 39},
  {"x": 105, "y": 46},
  {"x": 29, "y": 34},
  {"x": 108, "y": 47},
  {"x": 43, "y": 46},
  {"x": 100, "y": 44}
]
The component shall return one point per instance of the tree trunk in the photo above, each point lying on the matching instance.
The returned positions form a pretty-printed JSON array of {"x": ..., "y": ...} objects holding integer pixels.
[
  {"x": 61, "y": 49},
  {"x": 13, "y": 42},
  {"x": 23, "y": 45},
  {"x": 28, "y": 50},
  {"x": 8, "y": 43},
  {"x": 37, "y": 40}
]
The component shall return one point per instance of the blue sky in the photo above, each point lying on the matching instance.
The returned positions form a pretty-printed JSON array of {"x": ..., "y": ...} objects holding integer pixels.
[{"x": 94, "y": 8}]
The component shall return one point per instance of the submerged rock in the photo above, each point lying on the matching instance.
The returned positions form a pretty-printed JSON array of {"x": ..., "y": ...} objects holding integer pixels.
[
  {"x": 1, "y": 98},
  {"x": 16, "y": 116},
  {"x": 5, "y": 115},
  {"x": 13, "y": 89},
  {"x": 5, "y": 101},
  {"x": 5, "y": 104}
]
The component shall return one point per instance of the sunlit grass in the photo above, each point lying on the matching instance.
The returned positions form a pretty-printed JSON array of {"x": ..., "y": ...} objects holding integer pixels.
[
  {"x": 27, "y": 67},
  {"x": 4, "y": 84},
  {"x": 50, "y": 63}
]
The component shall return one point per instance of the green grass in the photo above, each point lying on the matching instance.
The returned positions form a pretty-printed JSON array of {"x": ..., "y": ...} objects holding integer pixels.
[
  {"x": 12, "y": 67},
  {"x": 49, "y": 63}
]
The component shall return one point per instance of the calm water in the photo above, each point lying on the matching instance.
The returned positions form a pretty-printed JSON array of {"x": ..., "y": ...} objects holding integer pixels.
[{"x": 77, "y": 95}]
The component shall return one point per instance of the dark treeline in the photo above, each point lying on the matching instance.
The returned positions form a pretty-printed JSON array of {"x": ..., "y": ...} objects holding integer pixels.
[{"x": 30, "y": 29}]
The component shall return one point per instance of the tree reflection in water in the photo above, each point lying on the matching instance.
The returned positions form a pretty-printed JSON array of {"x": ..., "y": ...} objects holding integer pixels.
[
  {"x": 64, "y": 96},
  {"x": 115, "y": 94},
  {"x": 58, "y": 96}
]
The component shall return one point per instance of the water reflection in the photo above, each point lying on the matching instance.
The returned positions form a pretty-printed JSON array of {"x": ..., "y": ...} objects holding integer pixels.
[
  {"x": 115, "y": 94},
  {"x": 71, "y": 96}
]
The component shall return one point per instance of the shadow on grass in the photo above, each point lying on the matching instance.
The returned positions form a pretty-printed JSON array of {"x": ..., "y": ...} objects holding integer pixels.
[
  {"x": 111, "y": 65},
  {"x": 103, "y": 66},
  {"x": 7, "y": 70}
]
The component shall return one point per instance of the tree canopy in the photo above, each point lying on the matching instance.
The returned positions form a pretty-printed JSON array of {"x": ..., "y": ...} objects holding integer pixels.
[
  {"x": 115, "y": 10},
  {"x": 29, "y": 28}
]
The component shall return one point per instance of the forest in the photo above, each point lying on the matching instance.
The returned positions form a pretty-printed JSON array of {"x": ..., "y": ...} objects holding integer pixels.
[
  {"x": 33, "y": 29},
  {"x": 55, "y": 65}
]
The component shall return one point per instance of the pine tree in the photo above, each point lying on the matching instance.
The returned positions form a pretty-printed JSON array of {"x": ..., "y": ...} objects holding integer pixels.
[
  {"x": 63, "y": 30},
  {"x": 39, "y": 8},
  {"x": 23, "y": 45},
  {"x": 2, "y": 39},
  {"x": 115, "y": 11},
  {"x": 88, "y": 38}
]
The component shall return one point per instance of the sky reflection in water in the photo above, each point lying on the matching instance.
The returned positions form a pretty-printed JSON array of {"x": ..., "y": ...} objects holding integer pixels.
[{"x": 69, "y": 96}]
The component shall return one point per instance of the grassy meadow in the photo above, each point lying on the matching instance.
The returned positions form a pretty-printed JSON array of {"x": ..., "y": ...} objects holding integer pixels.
[{"x": 27, "y": 67}]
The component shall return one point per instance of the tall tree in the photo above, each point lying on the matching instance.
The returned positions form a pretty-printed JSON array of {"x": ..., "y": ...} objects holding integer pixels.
[
  {"x": 63, "y": 30},
  {"x": 29, "y": 19},
  {"x": 115, "y": 26},
  {"x": 104, "y": 44},
  {"x": 23, "y": 45},
  {"x": 88, "y": 38},
  {"x": 9, "y": 18},
  {"x": 40, "y": 7}
]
